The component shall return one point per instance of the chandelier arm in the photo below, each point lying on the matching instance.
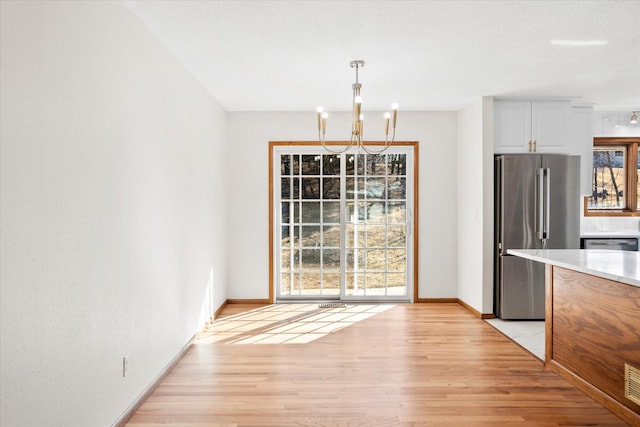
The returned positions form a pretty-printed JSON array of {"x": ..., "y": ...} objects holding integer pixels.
[
  {"x": 374, "y": 152},
  {"x": 326, "y": 147},
  {"x": 386, "y": 145}
]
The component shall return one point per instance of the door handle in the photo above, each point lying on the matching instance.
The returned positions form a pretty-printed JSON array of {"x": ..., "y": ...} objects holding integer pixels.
[
  {"x": 547, "y": 218},
  {"x": 540, "y": 205}
]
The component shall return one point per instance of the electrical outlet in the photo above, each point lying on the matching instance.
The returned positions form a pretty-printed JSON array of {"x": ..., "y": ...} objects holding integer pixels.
[{"x": 125, "y": 366}]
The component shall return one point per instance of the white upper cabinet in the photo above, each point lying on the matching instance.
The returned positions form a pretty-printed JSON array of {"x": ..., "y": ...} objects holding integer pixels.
[
  {"x": 526, "y": 126},
  {"x": 546, "y": 126}
]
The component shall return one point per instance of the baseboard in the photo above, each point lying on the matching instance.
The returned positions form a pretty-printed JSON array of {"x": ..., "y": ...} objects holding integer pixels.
[
  {"x": 624, "y": 413},
  {"x": 455, "y": 301},
  {"x": 475, "y": 312},
  {"x": 219, "y": 310},
  {"x": 248, "y": 301},
  {"x": 126, "y": 416},
  {"x": 436, "y": 300}
]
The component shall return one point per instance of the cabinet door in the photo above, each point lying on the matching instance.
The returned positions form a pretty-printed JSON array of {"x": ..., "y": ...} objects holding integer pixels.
[
  {"x": 512, "y": 126},
  {"x": 549, "y": 126},
  {"x": 581, "y": 142}
]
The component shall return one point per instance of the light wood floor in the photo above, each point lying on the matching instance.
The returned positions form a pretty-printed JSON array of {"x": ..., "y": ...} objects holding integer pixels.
[{"x": 362, "y": 365}]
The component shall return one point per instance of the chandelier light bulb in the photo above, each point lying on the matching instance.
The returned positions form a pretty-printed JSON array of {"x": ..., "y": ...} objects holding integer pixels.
[
  {"x": 394, "y": 106},
  {"x": 320, "y": 120},
  {"x": 387, "y": 116},
  {"x": 357, "y": 100},
  {"x": 634, "y": 118}
]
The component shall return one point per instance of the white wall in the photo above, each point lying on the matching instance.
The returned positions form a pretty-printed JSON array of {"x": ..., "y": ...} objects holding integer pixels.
[
  {"x": 475, "y": 204},
  {"x": 112, "y": 210},
  {"x": 614, "y": 124},
  {"x": 249, "y": 136}
]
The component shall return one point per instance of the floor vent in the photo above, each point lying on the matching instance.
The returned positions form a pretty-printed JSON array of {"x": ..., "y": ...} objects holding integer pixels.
[
  {"x": 332, "y": 305},
  {"x": 632, "y": 383}
]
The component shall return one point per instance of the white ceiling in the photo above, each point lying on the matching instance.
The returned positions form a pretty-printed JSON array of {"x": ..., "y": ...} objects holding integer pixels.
[{"x": 425, "y": 55}]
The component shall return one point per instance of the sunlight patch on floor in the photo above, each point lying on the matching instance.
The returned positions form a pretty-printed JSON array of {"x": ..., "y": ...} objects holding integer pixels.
[{"x": 287, "y": 323}]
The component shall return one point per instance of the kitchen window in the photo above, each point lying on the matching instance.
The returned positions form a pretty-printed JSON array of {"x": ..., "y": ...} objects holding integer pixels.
[{"x": 615, "y": 185}]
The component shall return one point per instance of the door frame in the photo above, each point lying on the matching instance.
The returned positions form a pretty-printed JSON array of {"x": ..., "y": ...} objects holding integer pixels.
[{"x": 273, "y": 211}]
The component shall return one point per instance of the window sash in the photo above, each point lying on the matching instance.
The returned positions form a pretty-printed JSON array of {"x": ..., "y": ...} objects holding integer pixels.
[{"x": 630, "y": 177}]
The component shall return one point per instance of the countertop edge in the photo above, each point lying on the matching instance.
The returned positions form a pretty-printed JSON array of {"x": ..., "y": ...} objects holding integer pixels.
[
  {"x": 610, "y": 234},
  {"x": 534, "y": 255}
]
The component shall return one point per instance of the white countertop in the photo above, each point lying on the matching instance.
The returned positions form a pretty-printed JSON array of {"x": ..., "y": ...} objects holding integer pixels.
[{"x": 621, "y": 266}]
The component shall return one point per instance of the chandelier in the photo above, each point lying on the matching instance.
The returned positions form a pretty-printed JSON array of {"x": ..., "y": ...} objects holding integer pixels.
[{"x": 357, "y": 125}]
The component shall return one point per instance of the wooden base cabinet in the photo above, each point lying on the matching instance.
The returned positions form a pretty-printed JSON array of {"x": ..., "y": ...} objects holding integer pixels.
[{"x": 593, "y": 333}]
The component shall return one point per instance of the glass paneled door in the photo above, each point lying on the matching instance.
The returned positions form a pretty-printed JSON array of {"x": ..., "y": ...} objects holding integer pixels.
[{"x": 343, "y": 224}]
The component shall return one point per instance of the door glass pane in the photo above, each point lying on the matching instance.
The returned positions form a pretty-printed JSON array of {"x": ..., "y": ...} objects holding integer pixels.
[
  {"x": 331, "y": 164},
  {"x": 396, "y": 284},
  {"x": 285, "y": 165},
  {"x": 310, "y": 212},
  {"x": 607, "y": 185},
  {"x": 310, "y": 236},
  {"x": 331, "y": 283},
  {"x": 310, "y": 188},
  {"x": 331, "y": 188},
  {"x": 376, "y": 235},
  {"x": 397, "y": 260},
  {"x": 397, "y": 212},
  {"x": 310, "y": 165},
  {"x": 310, "y": 282},
  {"x": 331, "y": 259},
  {"x": 376, "y": 212},
  {"x": 331, "y": 212},
  {"x": 396, "y": 187},
  {"x": 285, "y": 284},
  {"x": 396, "y": 237},
  {"x": 376, "y": 188},
  {"x": 331, "y": 236}
]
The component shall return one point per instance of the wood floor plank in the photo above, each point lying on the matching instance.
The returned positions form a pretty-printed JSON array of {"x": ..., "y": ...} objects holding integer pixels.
[{"x": 387, "y": 365}]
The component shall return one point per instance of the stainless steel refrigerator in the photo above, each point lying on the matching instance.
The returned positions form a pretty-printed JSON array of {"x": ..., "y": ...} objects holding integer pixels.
[{"x": 536, "y": 207}]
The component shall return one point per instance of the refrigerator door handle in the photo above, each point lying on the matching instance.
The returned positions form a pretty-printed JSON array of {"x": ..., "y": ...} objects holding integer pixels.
[
  {"x": 540, "y": 205},
  {"x": 547, "y": 202}
]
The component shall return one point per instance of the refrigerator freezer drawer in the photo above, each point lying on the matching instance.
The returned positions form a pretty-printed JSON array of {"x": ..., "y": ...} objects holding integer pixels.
[{"x": 521, "y": 289}]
